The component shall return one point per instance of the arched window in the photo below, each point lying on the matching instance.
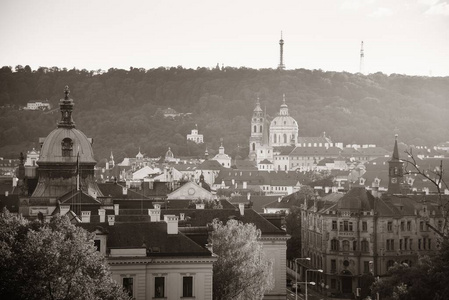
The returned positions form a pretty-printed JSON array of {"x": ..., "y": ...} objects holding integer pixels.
[
  {"x": 67, "y": 147},
  {"x": 255, "y": 128},
  {"x": 254, "y": 146},
  {"x": 285, "y": 138},
  {"x": 260, "y": 128},
  {"x": 274, "y": 138}
]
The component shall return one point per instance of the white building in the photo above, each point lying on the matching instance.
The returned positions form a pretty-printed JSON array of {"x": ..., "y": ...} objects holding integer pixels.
[
  {"x": 195, "y": 137},
  {"x": 35, "y": 105}
]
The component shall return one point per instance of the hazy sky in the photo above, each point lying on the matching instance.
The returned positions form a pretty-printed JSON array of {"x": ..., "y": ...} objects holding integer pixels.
[{"x": 400, "y": 36}]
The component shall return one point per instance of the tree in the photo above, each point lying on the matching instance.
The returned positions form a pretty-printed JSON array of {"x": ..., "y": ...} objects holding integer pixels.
[
  {"x": 54, "y": 260},
  {"x": 242, "y": 270}
]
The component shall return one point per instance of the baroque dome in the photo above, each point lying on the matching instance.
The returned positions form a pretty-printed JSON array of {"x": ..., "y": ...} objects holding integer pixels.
[
  {"x": 52, "y": 148},
  {"x": 66, "y": 143}
]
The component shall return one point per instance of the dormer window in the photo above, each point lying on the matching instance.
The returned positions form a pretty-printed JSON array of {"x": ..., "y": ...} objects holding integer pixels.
[{"x": 67, "y": 147}]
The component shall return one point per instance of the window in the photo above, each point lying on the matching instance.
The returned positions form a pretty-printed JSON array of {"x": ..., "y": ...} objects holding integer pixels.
[
  {"x": 346, "y": 246},
  {"x": 400, "y": 244},
  {"x": 354, "y": 246},
  {"x": 402, "y": 226},
  {"x": 333, "y": 266},
  {"x": 419, "y": 244},
  {"x": 365, "y": 246},
  {"x": 334, "y": 245},
  {"x": 333, "y": 283},
  {"x": 159, "y": 287},
  {"x": 67, "y": 146},
  {"x": 409, "y": 225},
  {"x": 255, "y": 128},
  {"x": 405, "y": 243},
  {"x": 97, "y": 244},
  {"x": 346, "y": 226},
  {"x": 187, "y": 286},
  {"x": 390, "y": 226},
  {"x": 364, "y": 226},
  {"x": 424, "y": 243},
  {"x": 390, "y": 245},
  {"x": 366, "y": 267},
  {"x": 128, "y": 285},
  {"x": 334, "y": 225},
  {"x": 410, "y": 244},
  {"x": 421, "y": 226},
  {"x": 429, "y": 244}
]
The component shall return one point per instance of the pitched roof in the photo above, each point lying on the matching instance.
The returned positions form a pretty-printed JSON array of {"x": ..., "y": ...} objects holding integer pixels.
[
  {"x": 210, "y": 165},
  {"x": 151, "y": 235}
]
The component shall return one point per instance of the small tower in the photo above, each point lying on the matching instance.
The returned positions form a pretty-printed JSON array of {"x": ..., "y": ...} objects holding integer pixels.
[
  {"x": 111, "y": 161},
  {"x": 362, "y": 58},
  {"x": 395, "y": 170},
  {"x": 281, "y": 62},
  {"x": 256, "y": 137}
]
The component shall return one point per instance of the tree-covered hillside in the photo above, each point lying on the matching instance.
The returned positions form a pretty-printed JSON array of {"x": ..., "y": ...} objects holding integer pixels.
[{"x": 119, "y": 108}]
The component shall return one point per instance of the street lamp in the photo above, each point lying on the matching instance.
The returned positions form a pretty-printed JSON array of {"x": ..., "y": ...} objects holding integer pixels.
[
  {"x": 296, "y": 274},
  {"x": 309, "y": 270}
]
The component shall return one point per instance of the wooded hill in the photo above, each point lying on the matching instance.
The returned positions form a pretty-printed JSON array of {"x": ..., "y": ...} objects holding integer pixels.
[{"x": 119, "y": 108}]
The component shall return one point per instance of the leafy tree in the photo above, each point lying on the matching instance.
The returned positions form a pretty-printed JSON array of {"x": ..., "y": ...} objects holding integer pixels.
[
  {"x": 242, "y": 271},
  {"x": 54, "y": 260}
]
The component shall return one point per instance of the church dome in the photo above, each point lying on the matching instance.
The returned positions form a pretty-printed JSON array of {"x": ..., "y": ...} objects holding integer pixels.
[{"x": 65, "y": 143}]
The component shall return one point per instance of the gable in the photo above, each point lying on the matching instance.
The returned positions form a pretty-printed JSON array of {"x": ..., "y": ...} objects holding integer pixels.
[{"x": 190, "y": 191}]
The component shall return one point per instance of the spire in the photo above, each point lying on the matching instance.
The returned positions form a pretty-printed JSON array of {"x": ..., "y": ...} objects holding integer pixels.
[
  {"x": 395, "y": 149},
  {"x": 66, "y": 108}
]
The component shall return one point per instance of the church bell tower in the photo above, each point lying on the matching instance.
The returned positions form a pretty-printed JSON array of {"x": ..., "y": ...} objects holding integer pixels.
[
  {"x": 395, "y": 170},
  {"x": 257, "y": 123}
]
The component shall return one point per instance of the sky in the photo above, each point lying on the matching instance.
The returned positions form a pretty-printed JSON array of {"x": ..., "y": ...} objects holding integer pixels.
[{"x": 401, "y": 36}]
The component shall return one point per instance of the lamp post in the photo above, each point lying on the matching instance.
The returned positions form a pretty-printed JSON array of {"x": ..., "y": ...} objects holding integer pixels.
[
  {"x": 309, "y": 270},
  {"x": 296, "y": 275}
]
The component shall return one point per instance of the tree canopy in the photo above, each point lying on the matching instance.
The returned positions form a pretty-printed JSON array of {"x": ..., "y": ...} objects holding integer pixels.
[
  {"x": 119, "y": 108},
  {"x": 242, "y": 270},
  {"x": 54, "y": 260}
]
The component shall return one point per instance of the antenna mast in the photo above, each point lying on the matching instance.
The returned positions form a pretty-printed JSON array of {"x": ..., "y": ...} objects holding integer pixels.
[
  {"x": 362, "y": 58},
  {"x": 281, "y": 63}
]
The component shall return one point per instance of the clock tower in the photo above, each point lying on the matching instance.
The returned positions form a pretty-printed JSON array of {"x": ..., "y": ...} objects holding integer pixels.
[{"x": 395, "y": 170}]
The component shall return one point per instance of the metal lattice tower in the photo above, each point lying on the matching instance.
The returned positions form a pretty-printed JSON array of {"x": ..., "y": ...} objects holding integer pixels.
[
  {"x": 362, "y": 58},
  {"x": 281, "y": 63}
]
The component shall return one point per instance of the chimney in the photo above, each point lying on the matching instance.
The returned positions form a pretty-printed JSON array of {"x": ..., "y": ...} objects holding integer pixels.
[
  {"x": 116, "y": 209},
  {"x": 125, "y": 191},
  {"x": 375, "y": 191},
  {"x": 155, "y": 214},
  {"x": 85, "y": 216},
  {"x": 233, "y": 181},
  {"x": 279, "y": 199},
  {"x": 64, "y": 209},
  {"x": 248, "y": 196},
  {"x": 150, "y": 184},
  {"x": 111, "y": 220},
  {"x": 181, "y": 216},
  {"x": 6, "y": 193},
  {"x": 242, "y": 209},
  {"x": 244, "y": 184},
  {"x": 199, "y": 205},
  {"x": 157, "y": 206},
  {"x": 172, "y": 224},
  {"x": 102, "y": 214}
]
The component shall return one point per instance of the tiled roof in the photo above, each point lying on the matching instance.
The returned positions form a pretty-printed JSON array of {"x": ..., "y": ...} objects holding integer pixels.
[
  {"x": 258, "y": 202},
  {"x": 202, "y": 217},
  {"x": 210, "y": 165},
  {"x": 266, "y": 162},
  {"x": 152, "y": 235},
  {"x": 316, "y": 151},
  {"x": 357, "y": 198}
]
